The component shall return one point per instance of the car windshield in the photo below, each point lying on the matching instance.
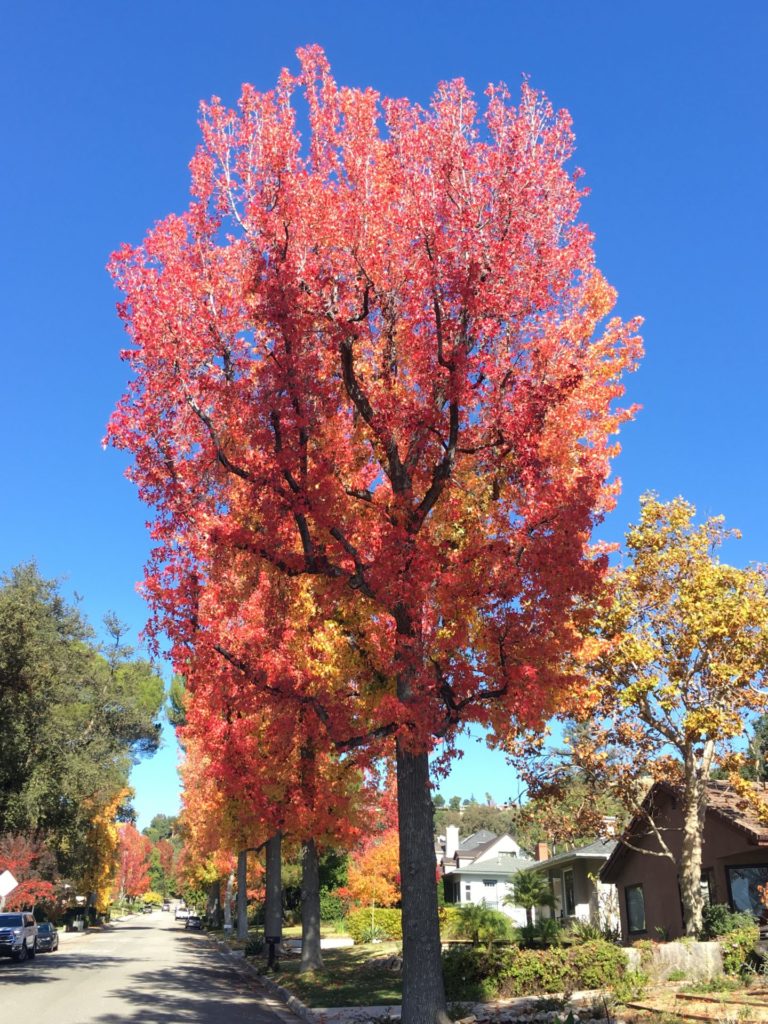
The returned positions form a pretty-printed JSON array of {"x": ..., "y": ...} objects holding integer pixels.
[
  {"x": 10, "y": 921},
  {"x": 44, "y": 928}
]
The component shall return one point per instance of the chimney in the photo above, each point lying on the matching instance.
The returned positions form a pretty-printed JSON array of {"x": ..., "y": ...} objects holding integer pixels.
[
  {"x": 451, "y": 841},
  {"x": 609, "y": 825},
  {"x": 542, "y": 851}
]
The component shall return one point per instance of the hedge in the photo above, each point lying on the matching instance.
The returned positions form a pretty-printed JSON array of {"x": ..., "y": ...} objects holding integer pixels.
[
  {"x": 387, "y": 923},
  {"x": 481, "y": 974}
]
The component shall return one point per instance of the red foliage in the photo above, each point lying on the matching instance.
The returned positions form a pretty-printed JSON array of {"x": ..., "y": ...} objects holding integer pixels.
[
  {"x": 132, "y": 877},
  {"x": 373, "y": 410},
  {"x": 27, "y": 861}
]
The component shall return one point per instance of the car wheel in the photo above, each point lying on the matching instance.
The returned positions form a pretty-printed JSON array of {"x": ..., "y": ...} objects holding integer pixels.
[
  {"x": 21, "y": 956},
  {"x": 55, "y": 945},
  {"x": 33, "y": 951}
]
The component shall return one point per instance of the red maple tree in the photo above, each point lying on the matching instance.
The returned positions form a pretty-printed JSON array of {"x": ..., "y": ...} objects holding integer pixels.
[
  {"x": 29, "y": 862},
  {"x": 369, "y": 369},
  {"x": 132, "y": 878}
]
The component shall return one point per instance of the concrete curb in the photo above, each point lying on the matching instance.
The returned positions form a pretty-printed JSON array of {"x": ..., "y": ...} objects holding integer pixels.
[{"x": 294, "y": 1005}]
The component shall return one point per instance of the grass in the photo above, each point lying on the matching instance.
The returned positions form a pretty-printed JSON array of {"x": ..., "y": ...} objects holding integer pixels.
[
  {"x": 349, "y": 979},
  {"x": 328, "y": 930}
]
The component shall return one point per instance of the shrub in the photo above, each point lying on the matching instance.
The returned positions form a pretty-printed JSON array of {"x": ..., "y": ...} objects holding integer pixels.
[
  {"x": 532, "y": 971},
  {"x": 332, "y": 906},
  {"x": 738, "y": 947},
  {"x": 478, "y": 923},
  {"x": 630, "y": 986},
  {"x": 384, "y": 923},
  {"x": 472, "y": 973},
  {"x": 718, "y": 919},
  {"x": 596, "y": 964},
  {"x": 475, "y": 973}
]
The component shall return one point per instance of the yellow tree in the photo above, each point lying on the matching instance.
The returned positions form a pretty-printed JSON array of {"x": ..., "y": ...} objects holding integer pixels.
[
  {"x": 103, "y": 846},
  {"x": 682, "y": 667}
]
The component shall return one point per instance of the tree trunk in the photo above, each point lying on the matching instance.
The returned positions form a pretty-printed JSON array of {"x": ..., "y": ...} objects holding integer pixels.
[
  {"x": 423, "y": 990},
  {"x": 311, "y": 957},
  {"x": 242, "y": 894},
  {"x": 228, "y": 902},
  {"x": 273, "y": 907},
  {"x": 213, "y": 903},
  {"x": 694, "y": 810}
]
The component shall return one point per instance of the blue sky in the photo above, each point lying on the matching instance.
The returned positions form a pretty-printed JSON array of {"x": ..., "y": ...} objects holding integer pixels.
[{"x": 99, "y": 122}]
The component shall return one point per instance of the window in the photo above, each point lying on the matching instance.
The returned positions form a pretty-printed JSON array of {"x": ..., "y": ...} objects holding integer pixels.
[
  {"x": 744, "y": 881},
  {"x": 633, "y": 894},
  {"x": 467, "y": 893},
  {"x": 570, "y": 900},
  {"x": 489, "y": 883}
]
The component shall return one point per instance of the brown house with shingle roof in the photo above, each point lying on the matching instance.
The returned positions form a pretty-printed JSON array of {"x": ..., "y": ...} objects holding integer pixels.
[{"x": 734, "y": 862}]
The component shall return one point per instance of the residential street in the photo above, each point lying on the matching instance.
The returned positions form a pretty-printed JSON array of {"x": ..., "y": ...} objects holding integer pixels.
[{"x": 146, "y": 969}]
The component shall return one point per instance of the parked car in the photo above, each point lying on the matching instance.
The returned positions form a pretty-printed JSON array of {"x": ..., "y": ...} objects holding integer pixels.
[
  {"x": 182, "y": 913},
  {"x": 47, "y": 938},
  {"x": 148, "y": 908},
  {"x": 166, "y": 904},
  {"x": 18, "y": 935},
  {"x": 194, "y": 921}
]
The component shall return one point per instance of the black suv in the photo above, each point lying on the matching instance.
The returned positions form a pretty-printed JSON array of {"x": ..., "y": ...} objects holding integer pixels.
[{"x": 18, "y": 935}]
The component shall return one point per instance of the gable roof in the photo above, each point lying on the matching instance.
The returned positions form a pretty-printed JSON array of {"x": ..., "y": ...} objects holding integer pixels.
[
  {"x": 723, "y": 803},
  {"x": 483, "y": 837},
  {"x": 503, "y": 865}
]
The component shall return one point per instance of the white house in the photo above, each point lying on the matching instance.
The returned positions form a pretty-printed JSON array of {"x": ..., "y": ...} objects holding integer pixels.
[
  {"x": 478, "y": 869},
  {"x": 573, "y": 877}
]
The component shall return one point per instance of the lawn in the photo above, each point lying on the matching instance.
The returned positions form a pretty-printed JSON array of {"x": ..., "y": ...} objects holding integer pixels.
[{"x": 349, "y": 979}]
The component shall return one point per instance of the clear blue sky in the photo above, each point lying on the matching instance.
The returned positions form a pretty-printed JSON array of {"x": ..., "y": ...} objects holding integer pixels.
[{"x": 99, "y": 122}]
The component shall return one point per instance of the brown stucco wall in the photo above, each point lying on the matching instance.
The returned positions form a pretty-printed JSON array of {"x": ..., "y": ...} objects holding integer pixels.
[{"x": 723, "y": 844}]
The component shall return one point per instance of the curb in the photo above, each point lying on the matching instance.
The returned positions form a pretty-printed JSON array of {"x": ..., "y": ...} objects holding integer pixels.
[{"x": 295, "y": 1005}]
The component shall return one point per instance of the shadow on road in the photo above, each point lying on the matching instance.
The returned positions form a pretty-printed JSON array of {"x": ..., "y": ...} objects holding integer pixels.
[
  {"x": 45, "y": 966},
  {"x": 204, "y": 990}
]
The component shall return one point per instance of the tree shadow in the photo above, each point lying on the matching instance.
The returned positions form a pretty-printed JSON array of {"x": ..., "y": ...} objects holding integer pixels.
[{"x": 203, "y": 990}]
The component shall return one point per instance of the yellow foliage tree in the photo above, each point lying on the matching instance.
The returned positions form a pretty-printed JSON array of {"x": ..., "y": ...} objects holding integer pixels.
[
  {"x": 683, "y": 664},
  {"x": 103, "y": 843}
]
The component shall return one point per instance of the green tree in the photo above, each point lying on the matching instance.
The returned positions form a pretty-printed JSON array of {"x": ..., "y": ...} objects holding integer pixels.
[
  {"x": 529, "y": 890},
  {"x": 75, "y": 716}
]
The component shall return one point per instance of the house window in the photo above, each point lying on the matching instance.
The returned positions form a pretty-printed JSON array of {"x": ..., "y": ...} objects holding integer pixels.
[
  {"x": 490, "y": 883},
  {"x": 467, "y": 893},
  {"x": 744, "y": 882},
  {"x": 633, "y": 894},
  {"x": 570, "y": 900}
]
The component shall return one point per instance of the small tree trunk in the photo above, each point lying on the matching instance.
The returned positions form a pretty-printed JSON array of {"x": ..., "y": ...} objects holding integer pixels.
[
  {"x": 694, "y": 810},
  {"x": 213, "y": 903},
  {"x": 311, "y": 957},
  {"x": 228, "y": 902},
  {"x": 273, "y": 907},
  {"x": 242, "y": 894},
  {"x": 423, "y": 989}
]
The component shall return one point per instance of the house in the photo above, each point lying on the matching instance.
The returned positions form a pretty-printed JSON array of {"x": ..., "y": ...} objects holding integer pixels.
[
  {"x": 478, "y": 869},
  {"x": 734, "y": 861},
  {"x": 573, "y": 877}
]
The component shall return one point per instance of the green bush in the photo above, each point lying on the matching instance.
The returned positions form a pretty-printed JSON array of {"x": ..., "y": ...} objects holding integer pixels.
[
  {"x": 472, "y": 973},
  {"x": 738, "y": 947},
  {"x": 718, "y": 919},
  {"x": 478, "y": 923},
  {"x": 533, "y": 971},
  {"x": 332, "y": 906},
  {"x": 385, "y": 923},
  {"x": 475, "y": 973},
  {"x": 596, "y": 964},
  {"x": 630, "y": 986}
]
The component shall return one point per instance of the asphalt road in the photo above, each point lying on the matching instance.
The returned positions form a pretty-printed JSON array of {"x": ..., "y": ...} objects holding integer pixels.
[{"x": 145, "y": 969}]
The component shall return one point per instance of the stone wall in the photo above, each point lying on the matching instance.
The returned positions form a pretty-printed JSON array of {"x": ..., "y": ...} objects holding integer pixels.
[{"x": 698, "y": 960}]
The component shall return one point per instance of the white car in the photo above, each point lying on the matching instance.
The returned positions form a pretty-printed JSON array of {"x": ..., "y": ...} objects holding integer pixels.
[
  {"x": 182, "y": 913},
  {"x": 18, "y": 935}
]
